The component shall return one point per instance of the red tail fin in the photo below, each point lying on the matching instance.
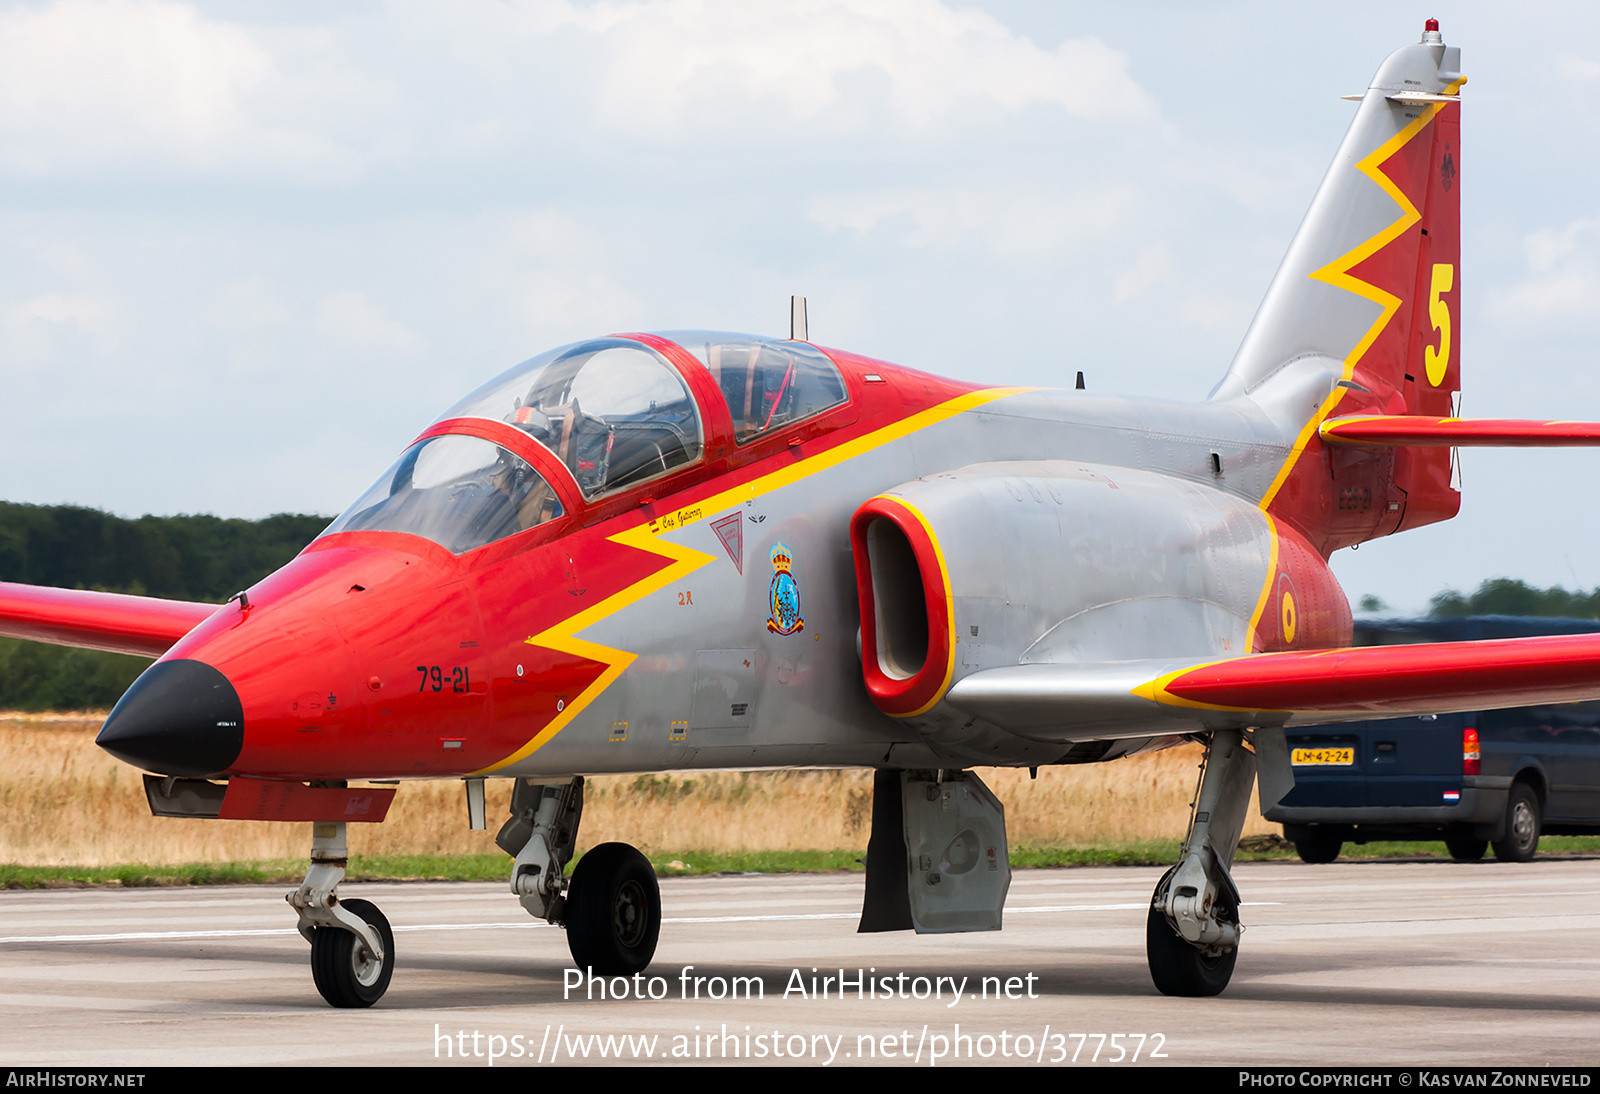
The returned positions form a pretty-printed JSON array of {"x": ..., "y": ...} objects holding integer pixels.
[{"x": 1367, "y": 304}]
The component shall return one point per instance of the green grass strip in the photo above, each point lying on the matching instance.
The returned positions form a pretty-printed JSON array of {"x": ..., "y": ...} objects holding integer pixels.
[
  {"x": 496, "y": 867},
  {"x": 684, "y": 863},
  {"x": 490, "y": 867},
  {"x": 136, "y": 875}
]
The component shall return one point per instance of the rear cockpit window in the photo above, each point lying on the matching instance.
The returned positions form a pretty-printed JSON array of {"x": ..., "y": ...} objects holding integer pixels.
[
  {"x": 460, "y": 492},
  {"x": 767, "y": 383},
  {"x": 613, "y": 410}
]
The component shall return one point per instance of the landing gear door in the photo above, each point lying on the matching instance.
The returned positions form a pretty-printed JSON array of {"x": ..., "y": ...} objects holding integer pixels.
[{"x": 960, "y": 869}]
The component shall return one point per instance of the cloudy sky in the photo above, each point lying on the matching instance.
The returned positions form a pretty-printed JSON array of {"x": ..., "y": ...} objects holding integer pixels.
[{"x": 248, "y": 249}]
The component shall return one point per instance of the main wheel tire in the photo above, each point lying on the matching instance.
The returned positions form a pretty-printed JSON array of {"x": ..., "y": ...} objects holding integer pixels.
[
  {"x": 1177, "y": 967},
  {"x": 1521, "y": 841},
  {"x": 613, "y": 911},
  {"x": 1318, "y": 849},
  {"x": 1464, "y": 849},
  {"x": 345, "y": 971}
]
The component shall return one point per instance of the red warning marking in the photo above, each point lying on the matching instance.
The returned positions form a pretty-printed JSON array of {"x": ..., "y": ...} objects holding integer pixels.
[{"x": 730, "y": 530}]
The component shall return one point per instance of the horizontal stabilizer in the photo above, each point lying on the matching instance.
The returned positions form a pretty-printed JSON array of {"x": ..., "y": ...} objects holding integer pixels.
[
  {"x": 1420, "y": 98},
  {"x": 1414, "y": 429},
  {"x": 116, "y": 622},
  {"x": 1066, "y": 702},
  {"x": 1429, "y": 678}
]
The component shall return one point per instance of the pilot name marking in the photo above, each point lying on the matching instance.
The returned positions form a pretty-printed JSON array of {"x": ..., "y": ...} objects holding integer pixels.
[{"x": 668, "y": 521}]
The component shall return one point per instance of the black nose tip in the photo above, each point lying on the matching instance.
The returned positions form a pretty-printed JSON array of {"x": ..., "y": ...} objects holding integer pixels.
[{"x": 179, "y": 718}]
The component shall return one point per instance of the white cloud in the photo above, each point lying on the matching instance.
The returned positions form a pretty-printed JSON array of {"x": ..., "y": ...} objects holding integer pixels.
[
  {"x": 38, "y": 328},
  {"x": 555, "y": 273},
  {"x": 1577, "y": 69},
  {"x": 60, "y": 308},
  {"x": 929, "y": 57},
  {"x": 1153, "y": 266},
  {"x": 350, "y": 319},
  {"x": 932, "y": 58},
  {"x": 251, "y": 304},
  {"x": 159, "y": 87},
  {"x": 1564, "y": 277},
  {"x": 153, "y": 84},
  {"x": 658, "y": 69},
  {"x": 1211, "y": 311},
  {"x": 1011, "y": 221}
]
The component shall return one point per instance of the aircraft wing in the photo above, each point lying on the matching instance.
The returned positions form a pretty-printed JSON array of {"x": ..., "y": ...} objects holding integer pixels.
[
  {"x": 1077, "y": 701},
  {"x": 1420, "y": 430},
  {"x": 117, "y": 622}
]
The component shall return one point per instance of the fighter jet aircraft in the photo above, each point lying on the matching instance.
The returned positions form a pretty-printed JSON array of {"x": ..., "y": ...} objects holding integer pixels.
[{"x": 702, "y": 550}]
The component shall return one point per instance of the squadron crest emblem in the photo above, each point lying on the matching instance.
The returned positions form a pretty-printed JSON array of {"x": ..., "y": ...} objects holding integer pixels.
[{"x": 784, "y": 596}]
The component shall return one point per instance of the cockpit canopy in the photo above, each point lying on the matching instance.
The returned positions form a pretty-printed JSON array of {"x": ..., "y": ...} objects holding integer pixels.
[
  {"x": 460, "y": 492},
  {"x": 767, "y": 384},
  {"x": 614, "y": 411}
]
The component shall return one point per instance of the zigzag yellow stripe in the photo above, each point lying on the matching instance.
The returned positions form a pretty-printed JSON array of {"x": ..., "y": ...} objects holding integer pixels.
[
  {"x": 646, "y": 536},
  {"x": 1337, "y": 273}
]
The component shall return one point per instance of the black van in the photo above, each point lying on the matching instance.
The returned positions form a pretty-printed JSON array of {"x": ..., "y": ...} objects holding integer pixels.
[{"x": 1500, "y": 777}]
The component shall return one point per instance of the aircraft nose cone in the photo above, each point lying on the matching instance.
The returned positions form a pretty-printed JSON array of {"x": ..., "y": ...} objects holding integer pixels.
[{"x": 180, "y": 718}]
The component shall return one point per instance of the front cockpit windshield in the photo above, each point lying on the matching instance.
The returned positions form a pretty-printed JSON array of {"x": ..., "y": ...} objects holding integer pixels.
[
  {"x": 611, "y": 409},
  {"x": 460, "y": 492}
]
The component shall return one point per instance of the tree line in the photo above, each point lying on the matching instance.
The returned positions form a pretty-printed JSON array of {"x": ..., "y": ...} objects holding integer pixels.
[{"x": 202, "y": 558}]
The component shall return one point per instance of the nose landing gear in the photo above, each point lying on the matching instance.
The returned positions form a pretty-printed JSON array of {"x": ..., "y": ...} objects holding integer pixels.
[
  {"x": 352, "y": 947},
  {"x": 346, "y": 971}
]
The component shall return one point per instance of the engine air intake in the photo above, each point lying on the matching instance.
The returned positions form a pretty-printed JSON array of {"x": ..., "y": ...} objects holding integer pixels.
[{"x": 905, "y": 607}]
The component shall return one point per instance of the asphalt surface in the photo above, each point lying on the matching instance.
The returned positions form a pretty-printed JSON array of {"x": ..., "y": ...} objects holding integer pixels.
[{"x": 1346, "y": 964}]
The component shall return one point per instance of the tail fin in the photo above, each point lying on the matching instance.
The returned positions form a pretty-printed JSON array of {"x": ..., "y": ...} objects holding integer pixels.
[{"x": 1364, "y": 312}]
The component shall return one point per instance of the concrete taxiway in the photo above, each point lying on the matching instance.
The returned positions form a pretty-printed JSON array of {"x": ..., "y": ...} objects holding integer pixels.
[{"x": 1350, "y": 963}]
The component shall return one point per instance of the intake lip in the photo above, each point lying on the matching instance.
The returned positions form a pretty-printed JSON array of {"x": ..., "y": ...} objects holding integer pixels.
[{"x": 180, "y": 717}]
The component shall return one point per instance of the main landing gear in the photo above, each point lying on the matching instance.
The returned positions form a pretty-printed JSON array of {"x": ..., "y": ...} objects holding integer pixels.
[
  {"x": 352, "y": 947},
  {"x": 611, "y": 907},
  {"x": 1192, "y": 932},
  {"x": 613, "y": 911}
]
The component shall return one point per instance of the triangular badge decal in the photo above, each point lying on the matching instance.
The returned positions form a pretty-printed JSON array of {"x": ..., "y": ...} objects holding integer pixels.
[{"x": 730, "y": 530}]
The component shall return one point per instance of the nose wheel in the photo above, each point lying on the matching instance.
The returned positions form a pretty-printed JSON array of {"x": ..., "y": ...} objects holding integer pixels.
[
  {"x": 352, "y": 945},
  {"x": 346, "y": 971},
  {"x": 613, "y": 911}
]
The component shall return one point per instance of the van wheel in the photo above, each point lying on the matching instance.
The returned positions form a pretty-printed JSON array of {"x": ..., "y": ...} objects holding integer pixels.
[
  {"x": 1463, "y": 849},
  {"x": 1319, "y": 849},
  {"x": 1521, "y": 840}
]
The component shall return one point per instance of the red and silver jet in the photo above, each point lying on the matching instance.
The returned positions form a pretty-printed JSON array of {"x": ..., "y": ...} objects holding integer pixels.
[{"x": 701, "y": 550}]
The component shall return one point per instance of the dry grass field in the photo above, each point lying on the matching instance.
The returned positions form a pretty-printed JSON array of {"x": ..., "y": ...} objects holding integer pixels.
[{"x": 64, "y": 802}]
